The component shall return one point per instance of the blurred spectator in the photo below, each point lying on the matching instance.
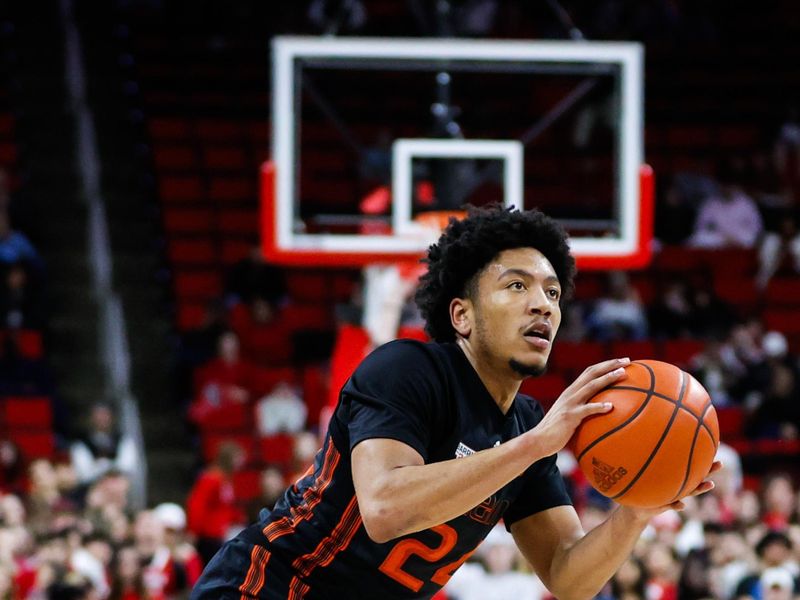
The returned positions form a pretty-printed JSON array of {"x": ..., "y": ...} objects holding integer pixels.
[
  {"x": 19, "y": 374},
  {"x": 694, "y": 582},
  {"x": 227, "y": 379},
  {"x": 253, "y": 277},
  {"x": 102, "y": 448},
  {"x": 19, "y": 300},
  {"x": 265, "y": 337},
  {"x": 14, "y": 246},
  {"x": 778, "y": 248},
  {"x": 630, "y": 580},
  {"x": 282, "y": 410},
  {"x": 334, "y": 16},
  {"x": 498, "y": 580},
  {"x": 271, "y": 488},
  {"x": 729, "y": 218},
  {"x": 775, "y": 383},
  {"x": 188, "y": 564},
  {"x": 777, "y": 584},
  {"x": 198, "y": 346},
  {"x": 774, "y": 551},
  {"x": 711, "y": 316},
  {"x": 162, "y": 575},
  {"x": 779, "y": 499},
  {"x": 127, "y": 579},
  {"x": 619, "y": 313},
  {"x": 211, "y": 506},
  {"x": 12, "y": 468},
  {"x": 675, "y": 212},
  {"x": 663, "y": 570},
  {"x": 671, "y": 314}
]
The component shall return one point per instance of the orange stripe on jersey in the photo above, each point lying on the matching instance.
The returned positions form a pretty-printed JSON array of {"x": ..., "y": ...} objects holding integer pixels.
[
  {"x": 336, "y": 542},
  {"x": 297, "y": 590},
  {"x": 255, "y": 578},
  {"x": 311, "y": 497}
]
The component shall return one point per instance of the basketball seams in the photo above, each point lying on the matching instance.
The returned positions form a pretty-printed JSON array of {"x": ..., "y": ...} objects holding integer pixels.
[
  {"x": 630, "y": 388},
  {"x": 648, "y": 395},
  {"x": 700, "y": 422},
  {"x": 684, "y": 388}
]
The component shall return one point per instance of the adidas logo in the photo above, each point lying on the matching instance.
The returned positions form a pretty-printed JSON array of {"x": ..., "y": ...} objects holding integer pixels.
[{"x": 605, "y": 476}]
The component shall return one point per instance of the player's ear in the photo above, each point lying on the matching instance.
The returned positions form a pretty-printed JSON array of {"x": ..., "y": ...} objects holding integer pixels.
[{"x": 461, "y": 311}]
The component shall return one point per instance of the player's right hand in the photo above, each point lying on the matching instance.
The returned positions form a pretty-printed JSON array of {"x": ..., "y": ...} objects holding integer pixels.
[{"x": 572, "y": 406}]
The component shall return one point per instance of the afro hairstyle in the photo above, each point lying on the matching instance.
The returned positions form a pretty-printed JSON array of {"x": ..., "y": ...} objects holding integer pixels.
[{"x": 467, "y": 246}]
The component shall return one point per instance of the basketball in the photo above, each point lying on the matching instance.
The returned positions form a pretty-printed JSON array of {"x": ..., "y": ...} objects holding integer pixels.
[{"x": 657, "y": 443}]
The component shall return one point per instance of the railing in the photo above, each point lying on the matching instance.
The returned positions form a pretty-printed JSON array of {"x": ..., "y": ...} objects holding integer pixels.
[{"x": 113, "y": 342}]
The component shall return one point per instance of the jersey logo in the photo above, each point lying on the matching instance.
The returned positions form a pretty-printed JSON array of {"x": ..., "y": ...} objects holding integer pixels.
[
  {"x": 489, "y": 511},
  {"x": 463, "y": 450}
]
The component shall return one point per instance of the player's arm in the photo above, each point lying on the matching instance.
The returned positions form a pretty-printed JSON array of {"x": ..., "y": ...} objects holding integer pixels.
[
  {"x": 574, "y": 565},
  {"x": 398, "y": 493}
]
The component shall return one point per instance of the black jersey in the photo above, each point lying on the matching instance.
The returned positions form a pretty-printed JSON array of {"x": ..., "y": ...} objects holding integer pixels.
[{"x": 313, "y": 544}]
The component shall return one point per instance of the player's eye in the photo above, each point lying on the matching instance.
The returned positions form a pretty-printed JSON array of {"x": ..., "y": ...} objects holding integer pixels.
[
  {"x": 517, "y": 286},
  {"x": 554, "y": 293}
]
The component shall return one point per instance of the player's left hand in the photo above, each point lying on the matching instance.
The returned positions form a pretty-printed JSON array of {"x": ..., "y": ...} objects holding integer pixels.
[{"x": 704, "y": 486}]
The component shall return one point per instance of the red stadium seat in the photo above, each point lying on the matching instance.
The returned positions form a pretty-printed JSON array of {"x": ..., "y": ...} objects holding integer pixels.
[
  {"x": 232, "y": 418},
  {"x": 175, "y": 157},
  {"x": 233, "y": 189},
  {"x": 277, "y": 450},
  {"x": 28, "y": 413},
  {"x": 188, "y": 220},
  {"x": 204, "y": 284},
  {"x": 239, "y": 222},
  {"x": 34, "y": 444},
  {"x": 181, "y": 189},
  {"x": 784, "y": 320},
  {"x": 680, "y": 352},
  {"x": 266, "y": 378},
  {"x": 232, "y": 158},
  {"x": 576, "y": 356},
  {"x": 29, "y": 342},
  {"x": 635, "y": 350},
  {"x": 546, "y": 388},
  {"x": 169, "y": 128},
  {"x": 247, "y": 484},
  {"x": 190, "y": 315},
  {"x": 306, "y": 286},
  {"x": 783, "y": 291},
  {"x": 191, "y": 251},
  {"x": 731, "y": 421},
  {"x": 212, "y": 441}
]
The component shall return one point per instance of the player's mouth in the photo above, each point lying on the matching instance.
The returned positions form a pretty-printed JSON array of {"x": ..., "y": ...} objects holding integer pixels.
[{"x": 538, "y": 335}]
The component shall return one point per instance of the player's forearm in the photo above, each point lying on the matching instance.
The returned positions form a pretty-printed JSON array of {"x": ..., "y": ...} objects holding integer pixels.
[
  {"x": 412, "y": 498},
  {"x": 581, "y": 570}
]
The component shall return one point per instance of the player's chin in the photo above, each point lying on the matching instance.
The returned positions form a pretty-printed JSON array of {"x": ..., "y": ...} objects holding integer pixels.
[{"x": 529, "y": 366}]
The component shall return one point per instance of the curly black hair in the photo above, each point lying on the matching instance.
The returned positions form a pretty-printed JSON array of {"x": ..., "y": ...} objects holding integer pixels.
[{"x": 467, "y": 246}]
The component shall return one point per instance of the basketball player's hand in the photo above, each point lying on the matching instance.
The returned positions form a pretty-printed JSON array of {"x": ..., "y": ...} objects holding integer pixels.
[
  {"x": 573, "y": 406},
  {"x": 704, "y": 486}
]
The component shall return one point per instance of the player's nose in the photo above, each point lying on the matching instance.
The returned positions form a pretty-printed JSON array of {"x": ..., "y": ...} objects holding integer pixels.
[{"x": 538, "y": 302}]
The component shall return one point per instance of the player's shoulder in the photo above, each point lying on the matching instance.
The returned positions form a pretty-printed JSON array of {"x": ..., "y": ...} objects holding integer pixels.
[{"x": 406, "y": 355}]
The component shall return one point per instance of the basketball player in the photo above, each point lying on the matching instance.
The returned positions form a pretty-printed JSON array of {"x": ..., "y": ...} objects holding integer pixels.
[{"x": 431, "y": 445}]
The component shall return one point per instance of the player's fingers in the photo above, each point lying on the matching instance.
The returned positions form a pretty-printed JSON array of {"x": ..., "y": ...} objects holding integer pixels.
[
  {"x": 600, "y": 382},
  {"x": 594, "y": 408},
  {"x": 715, "y": 466},
  {"x": 598, "y": 370},
  {"x": 705, "y": 486}
]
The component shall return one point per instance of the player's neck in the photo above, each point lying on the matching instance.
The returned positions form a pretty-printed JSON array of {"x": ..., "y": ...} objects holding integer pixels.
[{"x": 501, "y": 383}]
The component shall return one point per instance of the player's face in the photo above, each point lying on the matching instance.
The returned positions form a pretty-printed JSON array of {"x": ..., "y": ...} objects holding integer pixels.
[{"x": 517, "y": 310}]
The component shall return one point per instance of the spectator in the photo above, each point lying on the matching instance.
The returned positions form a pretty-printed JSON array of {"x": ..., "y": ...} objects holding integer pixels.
[
  {"x": 663, "y": 569},
  {"x": 253, "y": 277},
  {"x": 19, "y": 301},
  {"x": 774, "y": 550},
  {"x": 102, "y": 448},
  {"x": 272, "y": 485},
  {"x": 675, "y": 213},
  {"x": 775, "y": 387},
  {"x": 265, "y": 337},
  {"x": 211, "y": 507},
  {"x": 619, "y": 314},
  {"x": 629, "y": 582},
  {"x": 729, "y": 219},
  {"x": 12, "y": 468},
  {"x": 282, "y": 410},
  {"x": 778, "y": 502},
  {"x": 777, "y": 248},
  {"x": 228, "y": 379},
  {"x": 127, "y": 580},
  {"x": 694, "y": 582},
  {"x": 187, "y": 561},
  {"x": 14, "y": 246}
]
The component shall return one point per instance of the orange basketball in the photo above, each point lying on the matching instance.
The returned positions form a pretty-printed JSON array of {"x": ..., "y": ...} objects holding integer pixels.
[{"x": 657, "y": 443}]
